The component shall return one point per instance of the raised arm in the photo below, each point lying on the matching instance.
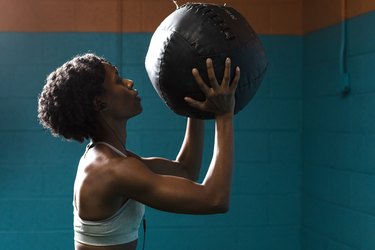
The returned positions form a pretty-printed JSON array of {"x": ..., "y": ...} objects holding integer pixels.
[
  {"x": 190, "y": 155},
  {"x": 189, "y": 159},
  {"x": 219, "y": 175},
  {"x": 181, "y": 195}
]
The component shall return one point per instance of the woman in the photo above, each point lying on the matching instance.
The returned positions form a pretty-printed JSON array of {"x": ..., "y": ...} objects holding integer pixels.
[{"x": 86, "y": 99}]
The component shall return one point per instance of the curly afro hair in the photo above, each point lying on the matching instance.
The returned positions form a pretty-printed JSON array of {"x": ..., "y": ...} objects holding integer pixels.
[{"x": 66, "y": 103}]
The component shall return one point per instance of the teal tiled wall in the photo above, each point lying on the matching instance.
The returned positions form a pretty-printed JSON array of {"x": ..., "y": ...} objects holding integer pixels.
[
  {"x": 304, "y": 175},
  {"x": 37, "y": 171},
  {"x": 338, "y": 139}
]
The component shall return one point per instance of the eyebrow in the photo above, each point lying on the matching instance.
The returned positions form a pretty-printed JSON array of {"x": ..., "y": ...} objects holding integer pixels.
[
  {"x": 116, "y": 73},
  {"x": 116, "y": 70}
]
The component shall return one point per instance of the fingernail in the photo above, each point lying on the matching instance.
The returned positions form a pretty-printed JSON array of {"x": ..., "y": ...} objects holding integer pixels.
[
  {"x": 228, "y": 59},
  {"x": 209, "y": 60},
  {"x": 238, "y": 68},
  {"x": 194, "y": 70}
]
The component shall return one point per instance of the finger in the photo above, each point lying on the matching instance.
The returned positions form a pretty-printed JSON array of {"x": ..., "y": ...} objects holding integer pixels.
[
  {"x": 226, "y": 78},
  {"x": 236, "y": 79},
  {"x": 201, "y": 84},
  {"x": 194, "y": 103},
  {"x": 211, "y": 74}
]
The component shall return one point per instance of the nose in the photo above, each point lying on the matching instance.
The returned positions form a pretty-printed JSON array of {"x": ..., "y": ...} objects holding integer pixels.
[{"x": 129, "y": 83}]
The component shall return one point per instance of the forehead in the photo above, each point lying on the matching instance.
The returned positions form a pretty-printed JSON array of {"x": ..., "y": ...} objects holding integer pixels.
[
  {"x": 110, "y": 74},
  {"x": 110, "y": 69}
]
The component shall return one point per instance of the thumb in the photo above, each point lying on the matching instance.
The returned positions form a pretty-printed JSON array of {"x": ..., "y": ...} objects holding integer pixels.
[{"x": 194, "y": 103}]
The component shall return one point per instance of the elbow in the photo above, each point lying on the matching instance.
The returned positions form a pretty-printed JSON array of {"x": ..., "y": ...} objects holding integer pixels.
[
  {"x": 220, "y": 206},
  {"x": 222, "y": 209},
  {"x": 218, "y": 201}
]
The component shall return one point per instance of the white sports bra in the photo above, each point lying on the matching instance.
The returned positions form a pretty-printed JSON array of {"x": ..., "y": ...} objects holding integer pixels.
[{"x": 120, "y": 228}]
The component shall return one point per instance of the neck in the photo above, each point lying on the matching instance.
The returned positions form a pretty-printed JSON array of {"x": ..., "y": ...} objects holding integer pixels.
[{"x": 112, "y": 132}]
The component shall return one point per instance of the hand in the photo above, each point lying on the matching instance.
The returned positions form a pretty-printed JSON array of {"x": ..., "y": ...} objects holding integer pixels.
[{"x": 220, "y": 99}]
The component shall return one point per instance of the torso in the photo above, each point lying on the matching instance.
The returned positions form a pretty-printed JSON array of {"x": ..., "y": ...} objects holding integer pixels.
[{"x": 93, "y": 196}]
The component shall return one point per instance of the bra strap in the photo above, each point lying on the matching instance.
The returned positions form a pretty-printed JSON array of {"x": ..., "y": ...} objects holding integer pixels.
[{"x": 108, "y": 145}]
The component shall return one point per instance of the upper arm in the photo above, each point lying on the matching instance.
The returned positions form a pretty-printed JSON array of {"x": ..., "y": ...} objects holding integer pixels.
[
  {"x": 163, "y": 192},
  {"x": 164, "y": 166}
]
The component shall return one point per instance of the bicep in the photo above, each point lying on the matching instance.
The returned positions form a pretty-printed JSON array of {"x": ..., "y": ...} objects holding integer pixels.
[
  {"x": 178, "y": 195},
  {"x": 163, "y": 166},
  {"x": 164, "y": 192}
]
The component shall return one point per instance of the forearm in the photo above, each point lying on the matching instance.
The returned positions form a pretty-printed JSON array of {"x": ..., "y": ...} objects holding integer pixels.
[
  {"x": 219, "y": 175},
  {"x": 190, "y": 155}
]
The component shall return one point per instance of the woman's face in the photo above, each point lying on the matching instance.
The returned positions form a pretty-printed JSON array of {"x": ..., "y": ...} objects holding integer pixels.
[{"x": 121, "y": 100}]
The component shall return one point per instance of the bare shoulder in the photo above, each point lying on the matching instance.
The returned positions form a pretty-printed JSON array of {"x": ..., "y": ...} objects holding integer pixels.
[
  {"x": 101, "y": 164},
  {"x": 126, "y": 165},
  {"x": 129, "y": 173}
]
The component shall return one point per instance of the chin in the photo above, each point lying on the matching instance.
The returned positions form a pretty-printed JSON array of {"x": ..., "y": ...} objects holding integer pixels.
[
  {"x": 137, "y": 113},
  {"x": 140, "y": 109},
  {"x": 140, "y": 112}
]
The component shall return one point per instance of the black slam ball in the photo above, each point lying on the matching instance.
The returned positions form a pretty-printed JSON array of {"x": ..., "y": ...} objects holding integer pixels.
[{"x": 190, "y": 35}]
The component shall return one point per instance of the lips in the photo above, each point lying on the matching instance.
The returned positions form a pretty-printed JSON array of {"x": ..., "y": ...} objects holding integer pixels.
[{"x": 137, "y": 96}]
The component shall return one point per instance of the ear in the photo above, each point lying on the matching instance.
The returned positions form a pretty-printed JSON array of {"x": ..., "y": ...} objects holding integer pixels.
[{"x": 99, "y": 104}]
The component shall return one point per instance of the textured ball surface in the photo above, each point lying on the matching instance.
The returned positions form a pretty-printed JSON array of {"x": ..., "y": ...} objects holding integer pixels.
[{"x": 190, "y": 35}]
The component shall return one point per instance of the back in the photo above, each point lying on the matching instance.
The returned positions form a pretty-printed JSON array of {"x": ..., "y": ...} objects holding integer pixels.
[{"x": 100, "y": 217}]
